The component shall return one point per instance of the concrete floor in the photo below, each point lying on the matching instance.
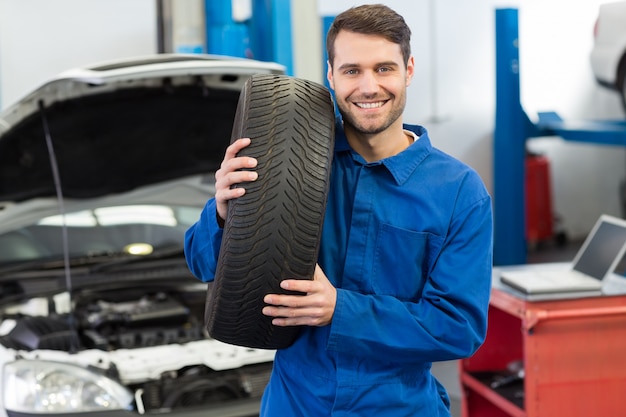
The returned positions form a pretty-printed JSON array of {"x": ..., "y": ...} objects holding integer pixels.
[{"x": 448, "y": 374}]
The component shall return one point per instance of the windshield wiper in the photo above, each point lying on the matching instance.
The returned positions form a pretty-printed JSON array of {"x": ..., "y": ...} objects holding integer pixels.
[
  {"x": 101, "y": 261},
  {"x": 159, "y": 254},
  {"x": 58, "y": 262}
]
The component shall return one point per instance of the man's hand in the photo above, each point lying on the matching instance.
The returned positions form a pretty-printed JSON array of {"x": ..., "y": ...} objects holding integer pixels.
[
  {"x": 230, "y": 173},
  {"x": 315, "y": 308}
]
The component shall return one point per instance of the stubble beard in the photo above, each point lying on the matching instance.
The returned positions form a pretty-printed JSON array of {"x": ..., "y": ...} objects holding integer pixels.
[{"x": 371, "y": 126}]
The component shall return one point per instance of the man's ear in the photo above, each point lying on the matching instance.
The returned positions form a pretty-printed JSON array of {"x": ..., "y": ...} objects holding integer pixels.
[
  {"x": 329, "y": 75},
  {"x": 410, "y": 70}
]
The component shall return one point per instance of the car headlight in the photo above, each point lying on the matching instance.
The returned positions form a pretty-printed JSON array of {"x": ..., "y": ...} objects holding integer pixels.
[{"x": 54, "y": 387}]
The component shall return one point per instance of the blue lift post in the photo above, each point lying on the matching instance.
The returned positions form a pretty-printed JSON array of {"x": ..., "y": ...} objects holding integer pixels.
[
  {"x": 224, "y": 36},
  {"x": 512, "y": 129},
  {"x": 265, "y": 37}
]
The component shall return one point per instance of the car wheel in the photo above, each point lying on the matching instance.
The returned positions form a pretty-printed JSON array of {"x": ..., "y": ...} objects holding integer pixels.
[{"x": 272, "y": 232}]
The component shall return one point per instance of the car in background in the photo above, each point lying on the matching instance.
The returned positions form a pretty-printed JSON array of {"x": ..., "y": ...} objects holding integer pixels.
[
  {"x": 608, "y": 55},
  {"x": 102, "y": 170}
]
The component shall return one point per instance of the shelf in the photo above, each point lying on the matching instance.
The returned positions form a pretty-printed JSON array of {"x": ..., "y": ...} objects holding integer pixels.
[{"x": 505, "y": 399}]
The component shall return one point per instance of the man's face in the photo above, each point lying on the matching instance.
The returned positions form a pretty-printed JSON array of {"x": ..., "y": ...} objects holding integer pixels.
[{"x": 369, "y": 78}]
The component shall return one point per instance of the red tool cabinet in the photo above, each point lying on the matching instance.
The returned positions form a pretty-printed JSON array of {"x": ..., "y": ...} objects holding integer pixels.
[{"x": 573, "y": 353}]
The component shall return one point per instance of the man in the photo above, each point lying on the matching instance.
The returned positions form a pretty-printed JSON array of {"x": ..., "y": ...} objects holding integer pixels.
[{"x": 404, "y": 269}]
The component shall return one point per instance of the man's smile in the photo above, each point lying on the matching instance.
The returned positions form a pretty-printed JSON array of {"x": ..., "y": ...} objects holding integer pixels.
[{"x": 370, "y": 105}]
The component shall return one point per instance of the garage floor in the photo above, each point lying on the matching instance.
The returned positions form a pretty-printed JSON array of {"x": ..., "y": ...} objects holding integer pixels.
[{"x": 447, "y": 372}]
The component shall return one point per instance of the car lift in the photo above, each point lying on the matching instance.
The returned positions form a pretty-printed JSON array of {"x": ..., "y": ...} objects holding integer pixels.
[
  {"x": 512, "y": 129},
  {"x": 266, "y": 36}
]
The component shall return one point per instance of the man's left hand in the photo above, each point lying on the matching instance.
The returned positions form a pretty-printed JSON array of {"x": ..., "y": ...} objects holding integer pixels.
[{"x": 315, "y": 308}]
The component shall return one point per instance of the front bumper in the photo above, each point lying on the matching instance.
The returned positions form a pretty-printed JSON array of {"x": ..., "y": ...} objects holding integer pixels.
[{"x": 237, "y": 408}]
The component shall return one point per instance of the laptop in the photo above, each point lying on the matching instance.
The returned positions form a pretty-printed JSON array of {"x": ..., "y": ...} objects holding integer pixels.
[
  {"x": 600, "y": 252},
  {"x": 615, "y": 281}
]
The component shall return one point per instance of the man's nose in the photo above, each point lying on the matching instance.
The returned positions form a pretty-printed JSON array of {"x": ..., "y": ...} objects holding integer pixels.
[{"x": 369, "y": 83}]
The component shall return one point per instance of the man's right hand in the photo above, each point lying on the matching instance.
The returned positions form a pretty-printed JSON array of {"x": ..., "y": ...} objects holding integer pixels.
[{"x": 231, "y": 173}]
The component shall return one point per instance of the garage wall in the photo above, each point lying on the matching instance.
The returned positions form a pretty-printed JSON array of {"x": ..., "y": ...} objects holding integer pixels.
[
  {"x": 40, "y": 38},
  {"x": 453, "y": 94},
  {"x": 556, "y": 75}
]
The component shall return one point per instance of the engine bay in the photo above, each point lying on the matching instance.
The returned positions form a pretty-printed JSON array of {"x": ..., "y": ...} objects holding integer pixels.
[
  {"x": 153, "y": 342},
  {"x": 107, "y": 323}
]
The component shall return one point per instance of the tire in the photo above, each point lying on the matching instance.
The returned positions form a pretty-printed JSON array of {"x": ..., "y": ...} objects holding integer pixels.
[{"x": 272, "y": 232}]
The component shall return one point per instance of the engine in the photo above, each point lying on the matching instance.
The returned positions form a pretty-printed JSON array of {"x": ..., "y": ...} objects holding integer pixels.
[
  {"x": 150, "y": 320},
  {"x": 132, "y": 319}
]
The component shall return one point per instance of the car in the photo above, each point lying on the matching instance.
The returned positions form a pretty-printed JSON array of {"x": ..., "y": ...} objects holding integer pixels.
[
  {"x": 608, "y": 54},
  {"x": 102, "y": 170}
]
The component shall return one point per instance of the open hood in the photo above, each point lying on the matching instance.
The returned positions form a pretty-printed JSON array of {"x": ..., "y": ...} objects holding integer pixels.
[{"x": 121, "y": 125}]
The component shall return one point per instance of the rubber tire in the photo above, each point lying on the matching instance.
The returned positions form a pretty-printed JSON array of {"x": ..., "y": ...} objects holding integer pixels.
[{"x": 272, "y": 232}]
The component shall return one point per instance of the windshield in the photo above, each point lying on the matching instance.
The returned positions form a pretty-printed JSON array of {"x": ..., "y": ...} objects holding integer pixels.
[{"x": 130, "y": 229}]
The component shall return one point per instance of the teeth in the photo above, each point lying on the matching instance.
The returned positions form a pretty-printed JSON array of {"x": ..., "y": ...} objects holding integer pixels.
[{"x": 370, "y": 105}]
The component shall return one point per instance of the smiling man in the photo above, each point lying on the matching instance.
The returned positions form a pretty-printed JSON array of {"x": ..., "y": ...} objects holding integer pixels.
[
  {"x": 369, "y": 75},
  {"x": 404, "y": 269}
]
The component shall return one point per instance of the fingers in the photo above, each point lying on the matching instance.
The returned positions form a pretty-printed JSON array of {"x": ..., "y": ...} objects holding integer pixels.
[
  {"x": 316, "y": 308},
  {"x": 293, "y": 311},
  {"x": 233, "y": 170},
  {"x": 234, "y": 148},
  {"x": 291, "y": 301},
  {"x": 302, "y": 317}
]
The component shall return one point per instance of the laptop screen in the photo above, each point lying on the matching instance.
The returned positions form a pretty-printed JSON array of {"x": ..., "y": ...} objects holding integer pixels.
[
  {"x": 602, "y": 248},
  {"x": 620, "y": 268}
]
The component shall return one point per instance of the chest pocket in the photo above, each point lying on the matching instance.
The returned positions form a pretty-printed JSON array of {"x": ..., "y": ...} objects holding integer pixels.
[{"x": 401, "y": 261}]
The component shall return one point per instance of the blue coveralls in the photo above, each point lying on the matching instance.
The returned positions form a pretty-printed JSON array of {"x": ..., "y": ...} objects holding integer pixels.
[{"x": 407, "y": 242}]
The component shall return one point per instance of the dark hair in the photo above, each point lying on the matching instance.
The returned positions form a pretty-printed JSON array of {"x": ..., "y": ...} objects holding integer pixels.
[{"x": 371, "y": 19}]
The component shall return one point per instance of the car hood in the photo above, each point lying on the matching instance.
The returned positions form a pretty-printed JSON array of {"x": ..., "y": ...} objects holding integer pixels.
[{"x": 117, "y": 126}]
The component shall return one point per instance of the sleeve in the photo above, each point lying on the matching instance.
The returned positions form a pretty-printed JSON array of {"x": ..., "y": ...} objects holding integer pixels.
[
  {"x": 202, "y": 244},
  {"x": 448, "y": 322}
]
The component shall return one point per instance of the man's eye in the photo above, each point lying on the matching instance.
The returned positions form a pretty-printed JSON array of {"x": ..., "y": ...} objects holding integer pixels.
[
  {"x": 384, "y": 69},
  {"x": 351, "y": 72}
]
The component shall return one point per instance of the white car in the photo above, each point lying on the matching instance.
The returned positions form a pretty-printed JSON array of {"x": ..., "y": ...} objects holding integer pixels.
[
  {"x": 608, "y": 56},
  {"x": 102, "y": 170}
]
